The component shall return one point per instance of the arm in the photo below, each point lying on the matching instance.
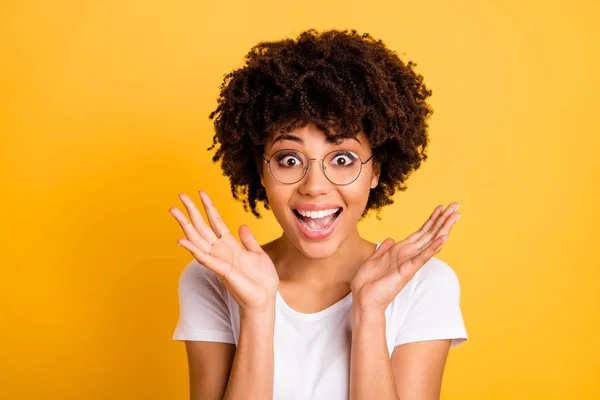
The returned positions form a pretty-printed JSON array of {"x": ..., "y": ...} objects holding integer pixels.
[
  {"x": 370, "y": 366},
  {"x": 247, "y": 273},
  {"x": 220, "y": 371},
  {"x": 209, "y": 365},
  {"x": 433, "y": 314},
  {"x": 252, "y": 372},
  {"x": 418, "y": 369},
  {"x": 413, "y": 373}
]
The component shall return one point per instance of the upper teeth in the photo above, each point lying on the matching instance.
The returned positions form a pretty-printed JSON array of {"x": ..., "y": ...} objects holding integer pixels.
[{"x": 317, "y": 214}]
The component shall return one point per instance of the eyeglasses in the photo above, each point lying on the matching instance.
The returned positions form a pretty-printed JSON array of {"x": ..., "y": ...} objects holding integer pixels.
[{"x": 341, "y": 167}]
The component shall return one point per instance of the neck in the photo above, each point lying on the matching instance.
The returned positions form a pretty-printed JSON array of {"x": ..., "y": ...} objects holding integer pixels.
[{"x": 294, "y": 266}]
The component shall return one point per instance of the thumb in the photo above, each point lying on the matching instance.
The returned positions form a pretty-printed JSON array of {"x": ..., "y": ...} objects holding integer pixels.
[
  {"x": 383, "y": 247},
  {"x": 248, "y": 239}
]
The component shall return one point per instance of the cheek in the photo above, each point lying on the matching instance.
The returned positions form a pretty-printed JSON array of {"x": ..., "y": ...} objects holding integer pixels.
[
  {"x": 277, "y": 193},
  {"x": 356, "y": 195}
]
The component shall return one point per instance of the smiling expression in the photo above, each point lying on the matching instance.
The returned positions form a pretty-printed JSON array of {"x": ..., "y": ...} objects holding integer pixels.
[{"x": 316, "y": 215}]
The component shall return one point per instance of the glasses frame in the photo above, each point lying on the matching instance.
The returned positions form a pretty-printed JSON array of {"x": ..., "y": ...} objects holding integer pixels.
[{"x": 322, "y": 166}]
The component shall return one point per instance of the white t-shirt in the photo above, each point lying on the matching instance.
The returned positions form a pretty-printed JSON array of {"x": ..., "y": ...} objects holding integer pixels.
[{"x": 312, "y": 351}]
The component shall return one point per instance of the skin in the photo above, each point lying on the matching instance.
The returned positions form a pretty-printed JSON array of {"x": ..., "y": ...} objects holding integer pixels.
[
  {"x": 245, "y": 371},
  {"x": 312, "y": 275},
  {"x": 318, "y": 266},
  {"x": 415, "y": 370}
]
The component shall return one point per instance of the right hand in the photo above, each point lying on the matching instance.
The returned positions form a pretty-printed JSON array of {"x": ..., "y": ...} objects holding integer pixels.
[{"x": 247, "y": 271}]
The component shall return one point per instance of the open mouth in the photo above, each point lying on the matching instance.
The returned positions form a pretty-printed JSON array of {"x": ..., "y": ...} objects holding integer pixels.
[{"x": 317, "y": 221}]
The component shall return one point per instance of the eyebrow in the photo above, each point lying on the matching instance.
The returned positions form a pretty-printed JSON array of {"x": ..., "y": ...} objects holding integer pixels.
[{"x": 296, "y": 139}]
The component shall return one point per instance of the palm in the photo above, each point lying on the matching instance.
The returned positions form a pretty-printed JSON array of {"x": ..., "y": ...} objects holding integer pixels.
[
  {"x": 246, "y": 270},
  {"x": 392, "y": 266},
  {"x": 252, "y": 274}
]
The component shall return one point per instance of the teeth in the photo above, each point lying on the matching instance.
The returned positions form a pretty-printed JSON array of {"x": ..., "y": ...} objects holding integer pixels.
[{"x": 318, "y": 214}]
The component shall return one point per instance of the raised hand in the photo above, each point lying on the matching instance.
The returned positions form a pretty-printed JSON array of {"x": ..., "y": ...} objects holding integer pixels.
[
  {"x": 247, "y": 271},
  {"x": 381, "y": 277}
]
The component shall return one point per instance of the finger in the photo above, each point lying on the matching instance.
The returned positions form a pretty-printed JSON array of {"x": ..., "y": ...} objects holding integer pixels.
[
  {"x": 216, "y": 222},
  {"x": 197, "y": 220},
  {"x": 189, "y": 230},
  {"x": 445, "y": 229},
  {"x": 215, "y": 264},
  {"x": 430, "y": 235},
  {"x": 426, "y": 226},
  {"x": 248, "y": 240},
  {"x": 428, "y": 252},
  {"x": 408, "y": 269}
]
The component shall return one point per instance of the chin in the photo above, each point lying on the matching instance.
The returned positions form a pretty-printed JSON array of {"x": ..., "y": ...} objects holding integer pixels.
[{"x": 317, "y": 250}]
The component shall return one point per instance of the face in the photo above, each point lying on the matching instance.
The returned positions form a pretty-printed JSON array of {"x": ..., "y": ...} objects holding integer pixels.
[{"x": 295, "y": 205}]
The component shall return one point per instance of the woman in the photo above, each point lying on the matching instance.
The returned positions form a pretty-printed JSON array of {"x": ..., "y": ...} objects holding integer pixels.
[{"x": 320, "y": 130}]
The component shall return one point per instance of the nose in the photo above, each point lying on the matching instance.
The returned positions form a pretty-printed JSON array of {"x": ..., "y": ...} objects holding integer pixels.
[{"x": 315, "y": 182}]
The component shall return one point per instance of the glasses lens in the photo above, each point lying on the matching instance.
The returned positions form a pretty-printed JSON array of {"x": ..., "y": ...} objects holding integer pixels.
[
  {"x": 288, "y": 166},
  {"x": 342, "y": 166}
]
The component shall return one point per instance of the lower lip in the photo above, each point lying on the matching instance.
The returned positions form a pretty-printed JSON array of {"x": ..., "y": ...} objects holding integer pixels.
[{"x": 317, "y": 235}]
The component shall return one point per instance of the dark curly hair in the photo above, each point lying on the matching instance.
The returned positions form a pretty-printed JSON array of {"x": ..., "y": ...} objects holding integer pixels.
[{"x": 340, "y": 81}]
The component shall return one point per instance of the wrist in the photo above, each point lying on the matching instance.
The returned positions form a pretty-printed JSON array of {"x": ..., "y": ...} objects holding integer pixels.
[
  {"x": 265, "y": 312},
  {"x": 371, "y": 316},
  {"x": 367, "y": 311}
]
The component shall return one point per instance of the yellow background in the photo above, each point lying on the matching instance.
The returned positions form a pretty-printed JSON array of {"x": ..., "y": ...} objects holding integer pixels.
[{"x": 104, "y": 119}]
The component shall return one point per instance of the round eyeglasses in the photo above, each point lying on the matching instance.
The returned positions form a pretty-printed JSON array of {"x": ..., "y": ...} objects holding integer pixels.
[{"x": 341, "y": 167}]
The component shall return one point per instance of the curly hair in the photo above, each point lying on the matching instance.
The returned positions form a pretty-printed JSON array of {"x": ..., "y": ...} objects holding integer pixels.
[{"x": 340, "y": 81}]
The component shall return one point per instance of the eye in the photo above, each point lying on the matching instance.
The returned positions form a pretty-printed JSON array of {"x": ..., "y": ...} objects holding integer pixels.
[
  {"x": 289, "y": 160},
  {"x": 344, "y": 159}
]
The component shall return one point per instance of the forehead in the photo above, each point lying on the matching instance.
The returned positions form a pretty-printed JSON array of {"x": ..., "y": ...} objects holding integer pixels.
[{"x": 310, "y": 134}]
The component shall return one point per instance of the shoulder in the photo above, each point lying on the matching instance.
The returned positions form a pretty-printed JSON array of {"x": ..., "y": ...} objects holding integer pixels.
[
  {"x": 195, "y": 277},
  {"x": 430, "y": 308},
  {"x": 194, "y": 271},
  {"x": 204, "y": 306},
  {"x": 434, "y": 281},
  {"x": 436, "y": 271}
]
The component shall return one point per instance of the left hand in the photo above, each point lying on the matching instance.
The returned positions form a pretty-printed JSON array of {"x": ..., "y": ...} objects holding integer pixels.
[{"x": 381, "y": 277}]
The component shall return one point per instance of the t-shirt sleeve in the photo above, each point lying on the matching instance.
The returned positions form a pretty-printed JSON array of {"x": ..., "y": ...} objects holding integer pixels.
[
  {"x": 203, "y": 307},
  {"x": 434, "y": 310}
]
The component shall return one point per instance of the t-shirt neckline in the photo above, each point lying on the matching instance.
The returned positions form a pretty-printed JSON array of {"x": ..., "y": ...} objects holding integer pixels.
[
  {"x": 313, "y": 316},
  {"x": 342, "y": 304}
]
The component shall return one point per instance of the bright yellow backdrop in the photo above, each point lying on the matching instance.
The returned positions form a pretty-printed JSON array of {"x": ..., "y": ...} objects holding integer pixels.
[{"x": 104, "y": 119}]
